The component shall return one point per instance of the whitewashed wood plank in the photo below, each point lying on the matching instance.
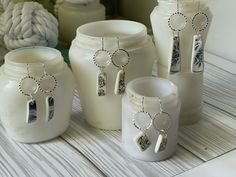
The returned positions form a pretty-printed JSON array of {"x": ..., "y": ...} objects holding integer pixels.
[
  {"x": 210, "y": 137},
  {"x": 104, "y": 149},
  {"x": 53, "y": 158},
  {"x": 220, "y": 89}
]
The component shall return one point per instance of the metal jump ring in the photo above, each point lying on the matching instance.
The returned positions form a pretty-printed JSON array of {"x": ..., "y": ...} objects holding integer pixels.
[
  {"x": 169, "y": 21},
  {"x": 205, "y": 26},
  {"x": 45, "y": 76},
  {"x": 117, "y": 51},
  {"x": 97, "y": 53},
  {"x": 157, "y": 117},
  {"x": 21, "y": 87},
  {"x": 140, "y": 128}
]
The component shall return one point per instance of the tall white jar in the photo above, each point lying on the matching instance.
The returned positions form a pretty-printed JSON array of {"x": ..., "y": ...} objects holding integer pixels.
[
  {"x": 13, "y": 104},
  {"x": 149, "y": 90},
  {"x": 72, "y": 14},
  {"x": 105, "y": 112},
  {"x": 189, "y": 84}
]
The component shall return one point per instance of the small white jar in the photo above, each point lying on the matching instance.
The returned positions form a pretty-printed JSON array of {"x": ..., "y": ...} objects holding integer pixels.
[
  {"x": 150, "y": 90},
  {"x": 71, "y": 15},
  {"x": 189, "y": 84},
  {"x": 13, "y": 104},
  {"x": 105, "y": 112}
]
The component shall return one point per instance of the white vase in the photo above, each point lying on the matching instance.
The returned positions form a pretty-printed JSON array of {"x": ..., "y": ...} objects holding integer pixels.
[
  {"x": 105, "y": 112},
  {"x": 13, "y": 104},
  {"x": 150, "y": 90},
  {"x": 71, "y": 15},
  {"x": 189, "y": 84}
]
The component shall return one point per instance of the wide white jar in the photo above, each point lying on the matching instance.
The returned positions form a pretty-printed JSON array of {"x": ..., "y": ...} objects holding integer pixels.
[
  {"x": 105, "y": 112},
  {"x": 189, "y": 84},
  {"x": 13, "y": 104},
  {"x": 150, "y": 90},
  {"x": 71, "y": 15}
]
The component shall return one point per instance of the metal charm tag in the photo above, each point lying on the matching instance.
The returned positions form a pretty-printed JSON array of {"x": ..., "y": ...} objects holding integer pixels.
[
  {"x": 101, "y": 84},
  {"x": 161, "y": 142},
  {"x": 50, "y": 107},
  {"x": 120, "y": 83}
]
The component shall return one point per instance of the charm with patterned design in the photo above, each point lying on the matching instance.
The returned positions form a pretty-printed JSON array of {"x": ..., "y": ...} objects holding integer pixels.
[
  {"x": 50, "y": 107},
  {"x": 102, "y": 83},
  {"x": 175, "y": 65},
  {"x": 31, "y": 111},
  {"x": 197, "y": 61},
  {"x": 142, "y": 141},
  {"x": 120, "y": 83},
  {"x": 161, "y": 142}
]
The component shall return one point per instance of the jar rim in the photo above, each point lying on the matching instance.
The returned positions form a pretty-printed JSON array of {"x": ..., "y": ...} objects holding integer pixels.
[
  {"x": 150, "y": 90},
  {"x": 91, "y": 34}
]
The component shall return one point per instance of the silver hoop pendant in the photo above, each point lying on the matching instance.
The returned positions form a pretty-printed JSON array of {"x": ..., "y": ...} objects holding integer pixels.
[
  {"x": 197, "y": 60},
  {"x": 175, "y": 65}
]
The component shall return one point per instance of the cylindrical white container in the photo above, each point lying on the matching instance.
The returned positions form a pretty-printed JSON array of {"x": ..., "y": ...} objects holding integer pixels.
[
  {"x": 150, "y": 90},
  {"x": 71, "y": 15},
  {"x": 105, "y": 112},
  {"x": 13, "y": 104},
  {"x": 189, "y": 84}
]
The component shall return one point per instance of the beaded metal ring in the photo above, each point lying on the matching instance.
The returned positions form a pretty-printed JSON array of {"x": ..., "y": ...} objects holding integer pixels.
[
  {"x": 158, "y": 116},
  {"x": 97, "y": 53},
  {"x": 21, "y": 86},
  {"x": 203, "y": 27},
  {"x": 180, "y": 15},
  {"x": 148, "y": 125},
  {"x": 45, "y": 77}
]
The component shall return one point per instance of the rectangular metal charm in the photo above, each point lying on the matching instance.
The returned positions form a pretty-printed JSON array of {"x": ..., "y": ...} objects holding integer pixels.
[
  {"x": 31, "y": 115},
  {"x": 161, "y": 142},
  {"x": 142, "y": 141},
  {"x": 197, "y": 60},
  {"x": 50, "y": 107},
  {"x": 120, "y": 83},
  {"x": 101, "y": 84},
  {"x": 175, "y": 63}
]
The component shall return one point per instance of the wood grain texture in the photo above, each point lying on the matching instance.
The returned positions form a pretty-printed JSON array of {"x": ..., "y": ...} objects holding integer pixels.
[{"x": 49, "y": 159}]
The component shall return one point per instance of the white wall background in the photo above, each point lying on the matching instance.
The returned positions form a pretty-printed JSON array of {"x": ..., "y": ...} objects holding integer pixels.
[{"x": 222, "y": 36}]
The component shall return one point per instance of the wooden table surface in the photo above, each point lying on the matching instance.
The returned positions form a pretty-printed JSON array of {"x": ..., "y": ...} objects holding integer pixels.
[{"x": 85, "y": 151}]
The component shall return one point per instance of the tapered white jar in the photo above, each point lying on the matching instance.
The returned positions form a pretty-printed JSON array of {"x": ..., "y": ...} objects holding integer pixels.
[
  {"x": 72, "y": 14},
  {"x": 13, "y": 104},
  {"x": 150, "y": 89},
  {"x": 105, "y": 112},
  {"x": 189, "y": 84}
]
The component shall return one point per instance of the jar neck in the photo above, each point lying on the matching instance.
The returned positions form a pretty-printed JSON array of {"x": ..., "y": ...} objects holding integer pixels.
[
  {"x": 90, "y": 36},
  {"x": 171, "y": 6},
  {"x": 33, "y": 61}
]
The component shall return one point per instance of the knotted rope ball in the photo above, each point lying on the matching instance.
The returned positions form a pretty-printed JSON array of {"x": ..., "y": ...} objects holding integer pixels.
[{"x": 27, "y": 24}]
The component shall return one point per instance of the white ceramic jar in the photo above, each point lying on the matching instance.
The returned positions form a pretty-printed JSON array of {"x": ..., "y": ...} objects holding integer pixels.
[
  {"x": 72, "y": 14},
  {"x": 105, "y": 112},
  {"x": 145, "y": 94},
  {"x": 13, "y": 104},
  {"x": 189, "y": 84}
]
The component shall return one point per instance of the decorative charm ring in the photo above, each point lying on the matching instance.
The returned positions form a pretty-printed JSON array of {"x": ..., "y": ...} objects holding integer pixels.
[
  {"x": 177, "y": 16},
  {"x": 102, "y": 58},
  {"x": 123, "y": 61},
  {"x": 144, "y": 115},
  {"x": 50, "y": 78},
  {"x": 33, "y": 89},
  {"x": 201, "y": 16},
  {"x": 161, "y": 122}
]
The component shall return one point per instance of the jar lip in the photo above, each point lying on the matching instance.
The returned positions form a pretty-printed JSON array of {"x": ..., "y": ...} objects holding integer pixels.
[
  {"x": 92, "y": 33},
  {"x": 161, "y": 83},
  {"x": 53, "y": 56}
]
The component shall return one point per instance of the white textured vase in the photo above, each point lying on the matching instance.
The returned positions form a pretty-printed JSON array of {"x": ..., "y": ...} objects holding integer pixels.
[
  {"x": 189, "y": 84},
  {"x": 13, "y": 104},
  {"x": 105, "y": 112}
]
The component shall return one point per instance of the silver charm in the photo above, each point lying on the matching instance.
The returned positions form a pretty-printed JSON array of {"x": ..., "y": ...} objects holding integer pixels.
[
  {"x": 29, "y": 91},
  {"x": 176, "y": 27},
  {"x": 47, "y": 85},
  {"x": 120, "y": 59},
  {"x": 175, "y": 65},
  {"x": 102, "y": 58},
  {"x": 197, "y": 60},
  {"x": 141, "y": 140},
  {"x": 161, "y": 123}
]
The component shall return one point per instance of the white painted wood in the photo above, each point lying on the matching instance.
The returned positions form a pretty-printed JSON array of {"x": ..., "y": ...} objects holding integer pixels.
[
  {"x": 53, "y": 158},
  {"x": 223, "y": 166}
]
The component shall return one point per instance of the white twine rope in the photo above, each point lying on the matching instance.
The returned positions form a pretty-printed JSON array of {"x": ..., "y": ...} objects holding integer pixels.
[{"x": 27, "y": 24}]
